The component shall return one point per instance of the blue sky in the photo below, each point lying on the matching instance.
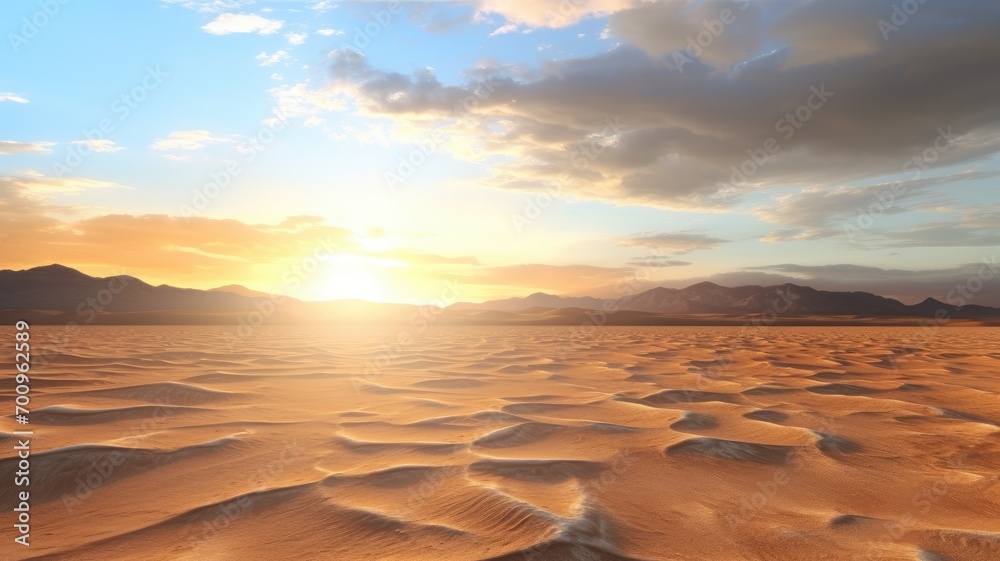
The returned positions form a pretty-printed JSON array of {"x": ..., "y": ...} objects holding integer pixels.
[{"x": 223, "y": 71}]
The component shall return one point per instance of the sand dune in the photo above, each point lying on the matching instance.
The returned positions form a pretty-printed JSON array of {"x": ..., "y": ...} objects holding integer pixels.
[{"x": 513, "y": 444}]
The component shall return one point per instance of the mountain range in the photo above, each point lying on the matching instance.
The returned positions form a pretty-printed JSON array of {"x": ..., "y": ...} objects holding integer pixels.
[
  {"x": 710, "y": 298},
  {"x": 58, "y": 294}
]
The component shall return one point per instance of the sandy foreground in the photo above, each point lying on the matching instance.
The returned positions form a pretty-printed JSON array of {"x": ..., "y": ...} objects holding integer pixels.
[{"x": 509, "y": 443}]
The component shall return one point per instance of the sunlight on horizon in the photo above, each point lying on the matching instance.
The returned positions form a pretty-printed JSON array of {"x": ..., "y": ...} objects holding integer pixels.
[{"x": 351, "y": 281}]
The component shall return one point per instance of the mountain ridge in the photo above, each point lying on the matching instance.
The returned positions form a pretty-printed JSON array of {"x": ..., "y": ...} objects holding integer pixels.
[{"x": 57, "y": 289}]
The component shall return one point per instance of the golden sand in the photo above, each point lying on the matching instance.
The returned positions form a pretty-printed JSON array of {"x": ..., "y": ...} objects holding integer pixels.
[{"x": 512, "y": 443}]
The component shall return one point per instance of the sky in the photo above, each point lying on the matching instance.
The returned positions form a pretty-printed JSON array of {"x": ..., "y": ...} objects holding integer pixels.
[{"x": 396, "y": 150}]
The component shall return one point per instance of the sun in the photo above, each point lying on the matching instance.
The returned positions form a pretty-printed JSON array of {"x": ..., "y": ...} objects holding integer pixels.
[{"x": 347, "y": 282}]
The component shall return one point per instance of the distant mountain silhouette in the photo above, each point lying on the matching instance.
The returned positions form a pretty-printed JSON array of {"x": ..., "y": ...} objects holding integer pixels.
[
  {"x": 58, "y": 294},
  {"x": 536, "y": 300},
  {"x": 55, "y": 287},
  {"x": 242, "y": 291},
  {"x": 710, "y": 298}
]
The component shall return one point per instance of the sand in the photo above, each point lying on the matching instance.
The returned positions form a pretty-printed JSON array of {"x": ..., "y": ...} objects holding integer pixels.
[{"x": 511, "y": 443}]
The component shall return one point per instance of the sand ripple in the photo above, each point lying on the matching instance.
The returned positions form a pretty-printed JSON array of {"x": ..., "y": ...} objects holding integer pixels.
[{"x": 514, "y": 444}]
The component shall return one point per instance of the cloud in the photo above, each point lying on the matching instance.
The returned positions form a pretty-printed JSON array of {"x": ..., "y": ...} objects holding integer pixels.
[
  {"x": 723, "y": 34},
  {"x": 855, "y": 212},
  {"x": 34, "y": 184},
  {"x": 656, "y": 261},
  {"x": 270, "y": 60},
  {"x": 8, "y": 147},
  {"x": 322, "y": 6},
  {"x": 178, "y": 158},
  {"x": 211, "y": 6},
  {"x": 102, "y": 145},
  {"x": 629, "y": 127},
  {"x": 227, "y": 23},
  {"x": 329, "y": 32},
  {"x": 504, "y": 29},
  {"x": 7, "y": 96},
  {"x": 314, "y": 121},
  {"x": 678, "y": 243},
  {"x": 974, "y": 227},
  {"x": 198, "y": 251},
  {"x": 299, "y": 100},
  {"x": 549, "y": 14},
  {"x": 696, "y": 30},
  {"x": 188, "y": 140},
  {"x": 155, "y": 247},
  {"x": 852, "y": 273},
  {"x": 296, "y": 38}
]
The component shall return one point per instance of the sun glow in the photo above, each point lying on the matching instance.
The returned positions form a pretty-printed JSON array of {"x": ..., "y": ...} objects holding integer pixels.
[{"x": 353, "y": 283}]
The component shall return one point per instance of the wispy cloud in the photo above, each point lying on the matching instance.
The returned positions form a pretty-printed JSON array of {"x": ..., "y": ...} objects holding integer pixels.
[
  {"x": 329, "y": 32},
  {"x": 545, "y": 14},
  {"x": 300, "y": 101},
  {"x": 657, "y": 261},
  {"x": 322, "y": 6},
  {"x": 504, "y": 29},
  {"x": 296, "y": 38},
  {"x": 211, "y": 6},
  {"x": 7, "y": 96},
  {"x": 227, "y": 23},
  {"x": 677, "y": 242},
  {"x": 188, "y": 140},
  {"x": 8, "y": 147},
  {"x": 34, "y": 183},
  {"x": 102, "y": 145},
  {"x": 272, "y": 59}
]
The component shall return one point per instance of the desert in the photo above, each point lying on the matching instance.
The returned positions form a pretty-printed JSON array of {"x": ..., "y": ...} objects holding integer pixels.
[{"x": 509, "y": 443}]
